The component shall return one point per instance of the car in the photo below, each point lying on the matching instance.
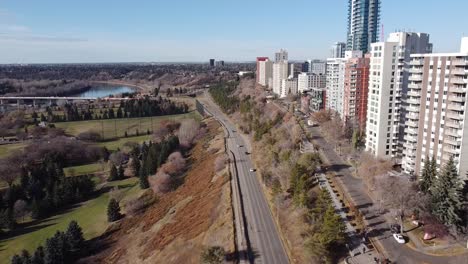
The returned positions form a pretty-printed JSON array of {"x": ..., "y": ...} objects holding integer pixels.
[
  {"x": 234, "y": 131},
  {"x": 239, "y": 146},
  {"x": 247, "y": 153},
  {"x": 252, "y": 170},
  {"x": 399, "y": 238}
]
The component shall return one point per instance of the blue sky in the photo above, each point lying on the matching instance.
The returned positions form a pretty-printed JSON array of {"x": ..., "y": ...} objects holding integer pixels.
[{"x": 37, "y": 31}]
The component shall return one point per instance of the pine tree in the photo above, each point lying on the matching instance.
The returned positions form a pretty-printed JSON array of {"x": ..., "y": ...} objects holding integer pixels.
[
  {"x": 38, "y": 257},
  {"x": 25, "y": 257},
  {"x": 113, "y": 211},
  {"x": 113, "y": 174},
  {"x": 355, "y": 139},
  {"x": 135, "y": 164},
  {"x": 53, "y": 252},
  {"x": 74, "y": 236},
  {"x": 426, "y": 177},
  {"x": 446, "y": 195},
  {"x": 144, "y": 184},
  {"x": 121, "y": 173},
  {"x": 16, "y": 259}
]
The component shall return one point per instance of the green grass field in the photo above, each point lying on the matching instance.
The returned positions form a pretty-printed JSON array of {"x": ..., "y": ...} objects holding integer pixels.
[
  {"x": 116, "y": 128},
  {"x": 6, "y": 149},
  {"x": 85, "y": 169},
  {"x": 91, "y": 216}
]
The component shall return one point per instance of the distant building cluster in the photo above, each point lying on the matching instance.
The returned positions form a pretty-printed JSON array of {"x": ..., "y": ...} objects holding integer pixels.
[
  {"x": 408, "y": 102},
  {"x": 215, "y": 63}
]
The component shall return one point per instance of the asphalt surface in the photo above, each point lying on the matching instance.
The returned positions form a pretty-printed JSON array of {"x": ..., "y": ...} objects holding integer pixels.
[{"x": 265, "y": 243}]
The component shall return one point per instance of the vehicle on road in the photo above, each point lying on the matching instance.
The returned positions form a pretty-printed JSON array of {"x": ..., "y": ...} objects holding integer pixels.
[
  {"x": 247, "y": 153},
  {"x": 234, "y": 131},
  {"x": 252, "y": 170},
  {"x": 239, "y": 146},
  {"x": 311, "y": 123},
  {"x": 399, "y": 238}
]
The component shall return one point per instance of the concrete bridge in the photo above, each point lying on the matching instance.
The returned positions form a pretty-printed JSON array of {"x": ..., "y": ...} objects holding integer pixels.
[{"x": 4, "y": 100}]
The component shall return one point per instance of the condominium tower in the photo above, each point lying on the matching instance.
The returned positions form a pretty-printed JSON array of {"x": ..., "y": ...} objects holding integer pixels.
[
  {"x": 282, "y": 55},
  {"x": 388, "y": 84},
  {"x": 363, "y": 24},
  {"x": 306, "y": 81},
  {"x": 437, "y": 117},
  {"x": 264, "y": 71},
  {"x": 338, "y": 50}
]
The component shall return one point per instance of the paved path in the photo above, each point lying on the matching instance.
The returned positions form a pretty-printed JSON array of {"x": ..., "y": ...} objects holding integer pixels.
[
  {"x": 377, "y": 223},
  {"x": 265, "y": 243}
]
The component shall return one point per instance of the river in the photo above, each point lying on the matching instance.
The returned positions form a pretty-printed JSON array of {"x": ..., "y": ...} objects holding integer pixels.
[{"x": 101, "y": 90}]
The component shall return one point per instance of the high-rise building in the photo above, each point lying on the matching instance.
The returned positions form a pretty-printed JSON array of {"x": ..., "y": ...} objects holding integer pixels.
[
  {"x": 306, "y": 66},
  {"x": 306, "y": 81},
  {"x": 335, "y": 80},
  {"x": 363, "y": 24},
  {"x": 288, "y": 86},
  {"x": 317, "y": 99},
  {"x": 338, "y": 50},
  {"x": 281, "y": 55},
  {"x": 388, "y": 84},
  {"x": 259, "y": 59},
  {"x": 212, "y": 62},
  {"x": 318, "y": 67},
  {"x": 219, "y": 63},
  {"x": 355, "y": 91},
  {"x": 437, "y": 113},
  {"x": 280, "y": 72},
  {"x": 264, "y": 71}
]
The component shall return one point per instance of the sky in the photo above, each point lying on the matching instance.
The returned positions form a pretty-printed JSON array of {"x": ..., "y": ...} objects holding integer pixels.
[{"x": 63, "y": 31}]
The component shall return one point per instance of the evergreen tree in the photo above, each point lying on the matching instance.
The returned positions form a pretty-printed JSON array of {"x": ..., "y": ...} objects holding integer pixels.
[
  {"x": 113, "y": 174},
  {"x": 74, "y": 236},
  {"x": 113, "y": 211},
  {"x": 121, "y": 172},
  {"x": 38, "y": 257},
  {"x": 144, "y": 184},
  {"x": 446, "y": 195},
  {"x": 355, "y": 139},
  {"x": 25, "y": 257},
  {"x": 53, "y": 253},
  {"x": 427, "y": 176},
  {"x": 16, "y": 259}
]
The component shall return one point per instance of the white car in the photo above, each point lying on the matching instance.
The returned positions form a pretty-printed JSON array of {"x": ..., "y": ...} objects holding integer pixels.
[
  {"x": 252, "y": 170},
  {"x": 399, "y": 238}
]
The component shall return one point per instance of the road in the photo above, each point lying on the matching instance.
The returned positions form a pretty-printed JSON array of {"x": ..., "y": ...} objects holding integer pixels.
[
  {"x": 265, "y": 243},
  {"x": 380, "y": 227}
]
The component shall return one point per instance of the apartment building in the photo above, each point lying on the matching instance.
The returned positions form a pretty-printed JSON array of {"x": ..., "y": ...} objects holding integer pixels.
[
  {"x": 306, "y": 81},
  {"x": 363, "y": 24},
  {"x": 264, "y": 71},
  {"x": 436, "y": 119},
  {"x": 280, "y": 72},
  {"x": 317, "y": 99},
  {"x": 288, "y": 86},
  {"x": 338, "y": 50},
  {"x": 335, "y": 78},
  {"x": 356, "y": 83},
  {"x": 388, "y": 85},
  {"x": 281, "y": 55}
]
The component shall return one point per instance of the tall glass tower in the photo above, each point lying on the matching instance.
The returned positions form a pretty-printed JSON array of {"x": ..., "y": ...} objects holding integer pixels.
[{"x": 363, "y": 24}]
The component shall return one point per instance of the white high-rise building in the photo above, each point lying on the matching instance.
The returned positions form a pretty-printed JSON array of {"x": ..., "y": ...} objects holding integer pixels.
[
  {"x": 306, "y": 81},
  {"x": 437, "y": 113},
  {"x": 280, "y": 72},
  {"x": 288, "y": 86},
  {"x": 338, "y": 50},
  {"x": 335, "y": 80},
  {"x": 265, "y": 72},
  {"x": 388, "y": 83},
  {"x": 282, "y": 55}
]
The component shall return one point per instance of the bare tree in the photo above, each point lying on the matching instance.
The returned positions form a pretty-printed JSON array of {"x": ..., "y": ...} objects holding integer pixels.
[
  {"x": 188, "y": 131},
  {"x": 220, "y": 162},
  {"x": 161, "y": 182},
  {"x": 117, "y": 158},
  {"x": 370, "y": 167},
  {"x": 175, "y": 164}
]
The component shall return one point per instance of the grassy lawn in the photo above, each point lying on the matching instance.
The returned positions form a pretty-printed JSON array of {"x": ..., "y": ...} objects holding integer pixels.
[
  {"x": 119, "y": 143},
  {"x": 6, "y": 149},
  {"x": 91, "y": 216},
  {"x": 116, "y": 128},
  {"x": 85, "y": 169}
]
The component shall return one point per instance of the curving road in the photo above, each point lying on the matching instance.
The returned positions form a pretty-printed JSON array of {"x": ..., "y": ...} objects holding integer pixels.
[{"x": 265, "y": 243}]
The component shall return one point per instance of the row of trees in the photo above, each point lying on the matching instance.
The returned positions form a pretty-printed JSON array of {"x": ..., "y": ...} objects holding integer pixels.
[
  {"x": 63, "y": 247},
  {"x": 222, "y": 95}
]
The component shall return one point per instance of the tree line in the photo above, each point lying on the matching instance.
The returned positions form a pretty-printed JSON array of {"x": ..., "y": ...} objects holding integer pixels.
[
  {"x": 63, "y": 247},
  {"x": 222, "y": 95}
]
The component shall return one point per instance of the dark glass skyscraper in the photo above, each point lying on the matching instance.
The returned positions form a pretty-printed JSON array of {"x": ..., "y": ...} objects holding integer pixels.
[{"x": 363, "y": 24}]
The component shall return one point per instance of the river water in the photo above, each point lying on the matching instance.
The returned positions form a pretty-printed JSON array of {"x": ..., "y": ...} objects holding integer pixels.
[{"x": 105, "y": 90}]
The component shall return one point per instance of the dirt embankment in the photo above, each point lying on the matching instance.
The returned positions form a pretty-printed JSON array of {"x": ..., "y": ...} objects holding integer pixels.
[{"x": 181, "y": 223}]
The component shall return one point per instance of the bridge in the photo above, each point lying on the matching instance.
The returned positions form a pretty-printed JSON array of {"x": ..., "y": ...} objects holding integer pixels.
[{"x": 4, "y": 100}]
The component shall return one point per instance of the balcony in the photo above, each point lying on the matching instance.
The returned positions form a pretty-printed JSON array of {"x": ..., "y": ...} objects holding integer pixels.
[
  {"x": 452, "y": 142},
  {"x": 452, "y": 132},
  {"x": 458, "y": 71},
  {"x": 460, "y": 99},
  {"x": 458, "y": 80},
  {"x": 416, "y": 62},
  {"x": 413, "y": 109},
  {"x": 409, "y": 146},
  {"x": 413, "y": 124},
  {"x": 413, "y": 101},
  {"x": 457, "y": 90},
  {"x": 416, "y": 70},
  {"x": 459, "y": 62},
  {"x": 454, "y": 115},
  {"x": 413, "y": 115},
  {"x": 453, "y": 124},
  {"x": 411, "y": 131},
  {"x": 456, "y": 107},
  {"x": 416, "y": 78},
  {"x": 413, "y": 93},
  {"x": 452, "y": 150},
  {"x": 414, "y": 86}
]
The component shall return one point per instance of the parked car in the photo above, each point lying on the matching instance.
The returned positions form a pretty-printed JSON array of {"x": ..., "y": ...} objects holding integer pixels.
[
  {"x": 399, "y": 238},
  {"x": 252, "y": 170}
]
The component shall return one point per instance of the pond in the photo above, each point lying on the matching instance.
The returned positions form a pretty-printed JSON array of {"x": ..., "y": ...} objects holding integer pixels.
[{"x": 105, "y": 90}]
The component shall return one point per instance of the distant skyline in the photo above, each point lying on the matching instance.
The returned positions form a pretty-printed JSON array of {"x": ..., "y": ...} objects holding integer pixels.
[{"x": 58, "y": 31}]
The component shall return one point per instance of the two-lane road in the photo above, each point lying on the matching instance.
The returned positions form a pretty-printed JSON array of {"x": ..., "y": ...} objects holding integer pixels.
[{"x": 263, "y": 235}]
